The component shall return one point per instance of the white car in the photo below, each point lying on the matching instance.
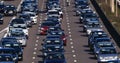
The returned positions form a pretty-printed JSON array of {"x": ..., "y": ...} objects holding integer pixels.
[
  {"x": 19, "y": 35},
  {"x": 19, "y": 23},
  {"x": 33, "y": 16}
]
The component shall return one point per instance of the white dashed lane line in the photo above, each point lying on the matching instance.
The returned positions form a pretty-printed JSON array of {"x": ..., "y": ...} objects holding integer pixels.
[
  {"x": 75, "y": 61},
  {"x": 35, "y": 48},
  {"x": 71, "y": 43},
  {"x": 74, "y": 56},
  {"x": 33, "y": 57},
  {"x": 34, "y": 53}
]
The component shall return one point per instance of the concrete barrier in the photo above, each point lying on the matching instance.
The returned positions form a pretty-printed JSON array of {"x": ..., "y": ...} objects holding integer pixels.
[{"x": 115, "y": 35}]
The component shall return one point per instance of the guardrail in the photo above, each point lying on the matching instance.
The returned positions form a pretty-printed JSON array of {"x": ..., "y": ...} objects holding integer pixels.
[{"x": 115, "y": 35}]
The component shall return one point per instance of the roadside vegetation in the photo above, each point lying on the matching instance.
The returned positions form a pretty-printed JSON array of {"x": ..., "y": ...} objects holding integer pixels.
[{"x": 115, "y": 21}]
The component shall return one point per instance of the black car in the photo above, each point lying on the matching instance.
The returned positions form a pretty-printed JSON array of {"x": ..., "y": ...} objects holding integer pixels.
[
  {"x": 10, "y": 10},
  {"x": 1, "y": 19}
]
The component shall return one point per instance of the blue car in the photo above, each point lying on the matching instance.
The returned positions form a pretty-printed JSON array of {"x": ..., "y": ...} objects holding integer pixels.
[
  {"x": 99, "y": 45},
  {"x": 6, "y": 58},
  {"x": 9, "y": 51},
  {"x": 55, "y": 58},
  {"x": 106, "y": 54},
  {"x": 17, "y": 47}
]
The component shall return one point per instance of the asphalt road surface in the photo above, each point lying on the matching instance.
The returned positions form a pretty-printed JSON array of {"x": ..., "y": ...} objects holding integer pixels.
[{"x": 76, "y": 50}]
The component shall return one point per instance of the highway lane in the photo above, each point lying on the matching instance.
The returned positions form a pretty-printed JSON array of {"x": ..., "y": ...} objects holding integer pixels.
[
  {"x": 8, "y": 18},
  {"x": 32, "y": 52}
]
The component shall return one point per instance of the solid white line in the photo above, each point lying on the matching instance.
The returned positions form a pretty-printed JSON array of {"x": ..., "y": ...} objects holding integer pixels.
[{"x": 18, "y": 8}]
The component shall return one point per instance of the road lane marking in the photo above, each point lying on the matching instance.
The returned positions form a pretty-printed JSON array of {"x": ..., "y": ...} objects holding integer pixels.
[
  {"x": 69, "y": 32},
  {"x": 36, "y": 44},
  {"x": 72, "y": 47},
  {"x": 34, "y": 53},
  {"x": 74, "y": 56},
  {"x": 35, "y": 48},
  {"x": 36, "y": 40},
  {"x": 70, "y": 35},
  {"x": 33, "y": 62},
  {"x": 38, "y": 37},
  {"x": 18, "y": 8},
  {"x": 69, "y": 29},
  {"x": 33, "y": 57},
  {"x": 71, "y": 39},
  {"x": 75, "y": 61},
  {"x": 73, "y": 51},
  {"x": 71, "y": 43}
]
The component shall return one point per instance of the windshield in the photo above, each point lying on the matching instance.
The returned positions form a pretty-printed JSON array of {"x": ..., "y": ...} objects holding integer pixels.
[{"x": 108, "y": 51}]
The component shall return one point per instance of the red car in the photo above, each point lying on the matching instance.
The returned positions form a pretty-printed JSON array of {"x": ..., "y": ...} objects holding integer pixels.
[{"x": 45, "y": 26}]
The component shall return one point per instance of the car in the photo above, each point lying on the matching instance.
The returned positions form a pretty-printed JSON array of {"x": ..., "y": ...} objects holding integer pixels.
[
  {"x": 6, "y": 58},
  {"x": 45, "y": 26},
  {"x": 52, "y": 49},
  {"x": 8, "y": 39},
  {"x": 55, "y": 57},
  {"x": 19, "y": 35},
  {"x": 19, "y": 23},
  {"x": 1, "y": 19},
  {"x": 2, "y": 5},
  {"x": 53, "y": 12},
  {"x": 83, "y": 10},
  {"x": 54, "y": 19},
  {"x": 61, "y": 33},
  {"x": 57, "y": 36},
  {"x": 9, "y": 51},
  {"x": 99, "y": 45},
  {"x": 10, "y": 10},
  {"x": 87, "y": 16},
  {"x": 33, "y": 16},
  {"x": 97, "y": 38},
  {"x": 107, "y": 54},
  {"x": 56, "y": 43},
  {"x": 54, "y": 28},
  {"x": 27, "y": 19},
  {"x": 17, "y": 47},
  {"x": 92, "y": 27},
  {"x": 81, "y": 3}
]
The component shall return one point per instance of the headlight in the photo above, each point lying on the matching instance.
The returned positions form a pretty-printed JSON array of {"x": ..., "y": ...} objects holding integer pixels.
[
  {"x": 101, "y": 58},
  {"x": 45, "y": 54},
  {"x": 42, "y": 28},
  {"x": 1, "y": 19},
  {"x": 14, "y": 58},
  {"x": 88, "y": 31},
  {"x": 20, "y": 53},
  {"x": 81, "y": 17}
]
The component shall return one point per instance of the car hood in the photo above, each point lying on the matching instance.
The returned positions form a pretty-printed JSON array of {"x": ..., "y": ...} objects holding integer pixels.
[
  {"x": 107, "y": 55},
  {"x": 55, "y": 61},
  {"x": 7, "y": 62}
]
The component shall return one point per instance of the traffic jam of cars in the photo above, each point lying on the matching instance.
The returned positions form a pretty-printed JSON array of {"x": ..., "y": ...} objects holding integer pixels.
[
  {"x": 15, "y": 40},
  {"x": 98, "y": 40}
]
